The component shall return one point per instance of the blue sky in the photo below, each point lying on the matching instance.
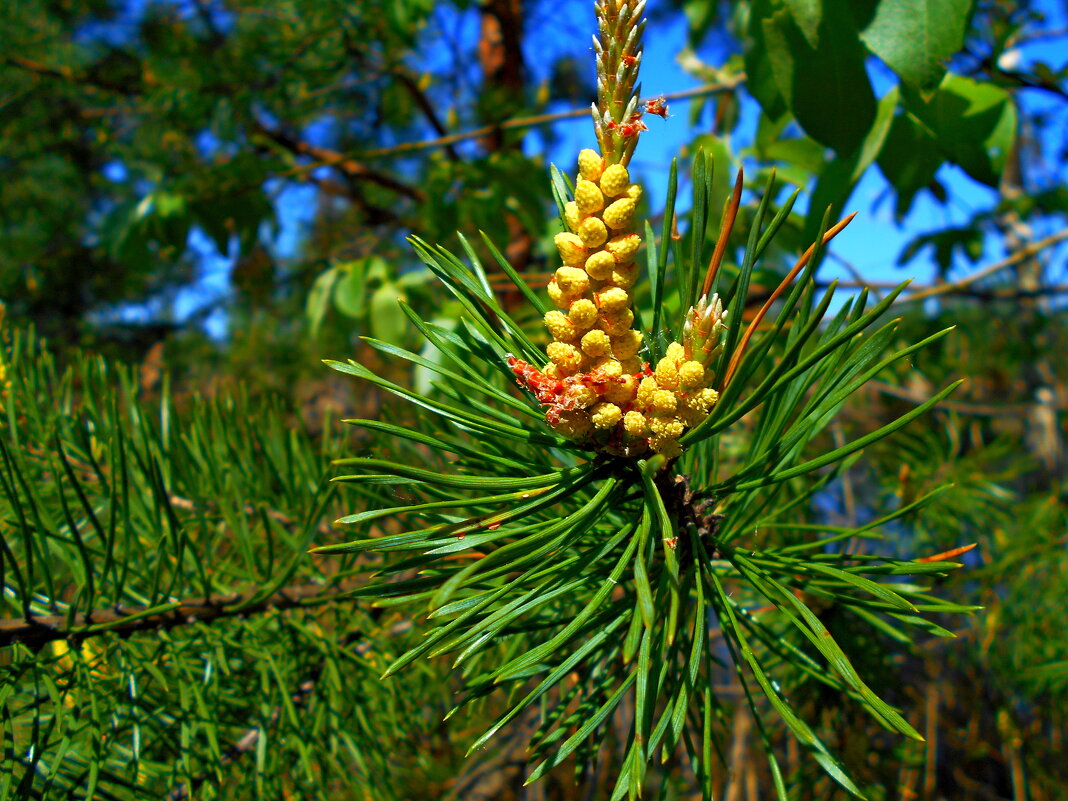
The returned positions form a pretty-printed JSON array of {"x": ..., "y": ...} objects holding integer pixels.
[{"x": 871, "y": 244}]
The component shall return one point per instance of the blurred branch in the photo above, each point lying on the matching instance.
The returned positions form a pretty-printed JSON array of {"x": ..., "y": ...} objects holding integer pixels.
[
  {"x": 963, "y": 286},
  {"x": 858, "y": 277},
  {"x": 67, "y": 74},
  {"x": 998, "y": 293},
  {"x": 1026, "y": 36},
  {"x": 507, "y": 125},
  {"x": 1007, "y": 293},
  {"x": 375, "y": 214},
  {"x": 124, "y": 621},
  {"x": 502, "y": 283},
  {"x": 204, "y": 13},
  {"x": 421, "y": 100},
  {"x": 1031, "y": 82},
  {"x": 1022, "y": 80},
  {"x": 348, "y": 165},
  {"x": 981, "y": 409},
  {"x": 1022, "y": 255},
  {"x": 400, "y": 73}
]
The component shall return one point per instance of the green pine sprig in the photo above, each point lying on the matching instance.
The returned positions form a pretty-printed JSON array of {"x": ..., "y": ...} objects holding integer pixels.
[{"x": 565, "y": 583}]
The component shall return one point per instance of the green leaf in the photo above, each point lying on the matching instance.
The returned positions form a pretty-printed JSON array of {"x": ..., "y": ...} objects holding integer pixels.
[
  {"x": 973, "y": 122},
  {"x": 553, "y": 678},
  {"x": 801, "y": 152},
  {"x": 783, "y": 373},
  {"x": 826, "y": 87},
  {"x": 760, "y": 74},
  {"x": 584, "y": 731},
  {"x": 800, "y": 729},
  {"x": 699, "y": 217},
  {"x": 457, "y": 481},
  {"x": 318, "y": 302},
  {"x": 517, "y": 280},
  {"x": 806, "y": 621},
  {"x": 788, "y": 567},
  {"x": 909, "y": 160},
  {"x": 807, "y": 15},
  {"x": 536, "y": 545},
  {"x": 387, "y": 320},
  {"x": 547, "y": 648},
  {"x": 841, "y": 175},
  {"x": 562, "y": 191},
  {"x": 641, "y": 573},
  {"x": 359, "y": 277},
  {"x": 947, "y": 244},
  {"x": 915, "y": 38}
]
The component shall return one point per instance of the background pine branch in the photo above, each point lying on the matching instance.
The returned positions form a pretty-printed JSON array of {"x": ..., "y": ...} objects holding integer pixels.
[{"x": 166, "y": 631}]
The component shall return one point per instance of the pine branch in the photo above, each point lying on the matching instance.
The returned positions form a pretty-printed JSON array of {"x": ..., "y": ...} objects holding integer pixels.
[
  {"x": 124, "y": 621},
  {"x": 70, "y": 76},
  {"x": 247, "y": 742}
]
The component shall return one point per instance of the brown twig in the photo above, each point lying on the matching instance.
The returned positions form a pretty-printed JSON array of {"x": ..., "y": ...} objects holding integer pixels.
[
  {"x": 431, "y": 114},
  {"x": 691, "y": 510},
  {"x": 350, "y": 166},
  {"x": 1022, "y": 255},
  {"x": 67, "y": 74},
  {"x": 964, "y": 407},
  {"x": 37, "y": 631},
  {"x": 508, "y": 125}
]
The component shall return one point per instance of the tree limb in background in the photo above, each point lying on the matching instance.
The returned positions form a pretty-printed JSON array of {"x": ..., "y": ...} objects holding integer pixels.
[
  {"x": 348, "y": 166},
  {"x": 1020, "y": 256}
]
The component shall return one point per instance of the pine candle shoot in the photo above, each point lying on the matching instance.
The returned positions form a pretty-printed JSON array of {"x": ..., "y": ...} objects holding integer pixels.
[{"x": 597, "y": 388}]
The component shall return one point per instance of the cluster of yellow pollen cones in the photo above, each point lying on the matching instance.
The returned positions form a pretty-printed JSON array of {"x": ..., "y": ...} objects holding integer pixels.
[{"x": 598, "y": 390}]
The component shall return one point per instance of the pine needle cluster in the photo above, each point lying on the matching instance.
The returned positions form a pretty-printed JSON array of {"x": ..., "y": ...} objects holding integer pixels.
[
  {"x": 582, "y": 560},
  {"x": 597, "y": 547}
]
